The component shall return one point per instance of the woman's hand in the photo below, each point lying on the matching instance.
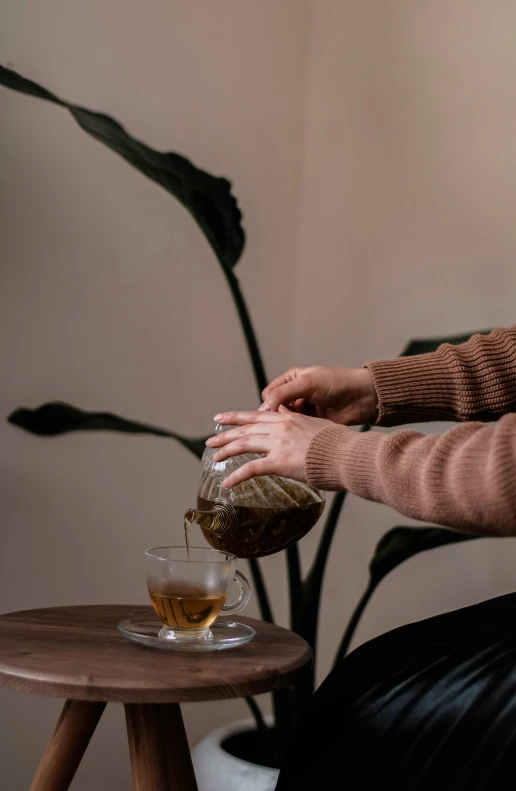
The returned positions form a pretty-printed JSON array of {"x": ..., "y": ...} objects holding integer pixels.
[
  {"x": 343, "y": 395},
  {"x": 284, "y": 437}
]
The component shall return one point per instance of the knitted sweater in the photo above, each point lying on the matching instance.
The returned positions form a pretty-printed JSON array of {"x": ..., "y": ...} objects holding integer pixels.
[{"x": 465, "y": 478}]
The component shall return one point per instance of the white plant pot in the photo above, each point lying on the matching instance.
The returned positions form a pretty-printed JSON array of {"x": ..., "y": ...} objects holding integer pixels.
[{"x": 217, "y": 770}]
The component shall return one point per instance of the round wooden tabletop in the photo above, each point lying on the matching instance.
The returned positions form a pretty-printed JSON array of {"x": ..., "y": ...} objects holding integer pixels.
[{"x": 77, "y": 652}]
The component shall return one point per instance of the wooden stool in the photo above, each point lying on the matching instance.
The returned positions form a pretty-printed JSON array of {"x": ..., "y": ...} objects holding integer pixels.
[{"x": 77, "y": 653}]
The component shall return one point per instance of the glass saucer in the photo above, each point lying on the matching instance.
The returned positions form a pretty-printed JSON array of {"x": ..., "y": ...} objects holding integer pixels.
[{"x": 226, "y": 634}]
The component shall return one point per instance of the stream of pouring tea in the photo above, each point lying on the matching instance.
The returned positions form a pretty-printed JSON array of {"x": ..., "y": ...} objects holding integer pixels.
[{"x": 188, "y": 521}]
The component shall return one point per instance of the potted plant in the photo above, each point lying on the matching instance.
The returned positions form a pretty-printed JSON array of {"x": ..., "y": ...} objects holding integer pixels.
[{"x": 209, "y": 199}]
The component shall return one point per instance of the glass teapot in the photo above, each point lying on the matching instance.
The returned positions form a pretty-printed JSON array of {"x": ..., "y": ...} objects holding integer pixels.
[{"x": 254, "y": 518}]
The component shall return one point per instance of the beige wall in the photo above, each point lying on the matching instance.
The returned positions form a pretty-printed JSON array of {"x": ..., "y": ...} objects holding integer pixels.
[{"x": 371, "y": 146}]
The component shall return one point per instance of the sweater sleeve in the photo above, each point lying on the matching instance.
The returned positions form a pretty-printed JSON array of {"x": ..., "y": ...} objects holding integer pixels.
[
  {"x": 473, "y": 381},
  {"x": 465, "y": 478}
]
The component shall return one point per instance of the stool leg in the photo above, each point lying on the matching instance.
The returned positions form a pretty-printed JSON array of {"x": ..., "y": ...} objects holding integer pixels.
[
  {"x": 64, "y": 752},
  {"x": 160, "y": 756}
]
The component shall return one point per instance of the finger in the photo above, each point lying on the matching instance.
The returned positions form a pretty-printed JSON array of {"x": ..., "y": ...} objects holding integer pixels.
[
  {"x": 225, "y": 437},
  {"x": 301, "y": 387},
  {"x": 280, "y": 380},
  {"x": 260, "y": 443},
  {"x": 242, "y": 418},
  {"x": 248, "y": 471},
  {"x": 264, "y": 408}
]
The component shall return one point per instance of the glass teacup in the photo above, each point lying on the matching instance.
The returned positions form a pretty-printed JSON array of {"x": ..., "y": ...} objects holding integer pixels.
[{"x": 188, "y": 592}]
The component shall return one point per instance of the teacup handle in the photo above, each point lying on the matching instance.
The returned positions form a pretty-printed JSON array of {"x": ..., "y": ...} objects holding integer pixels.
[{"x": 243, "y": 598}]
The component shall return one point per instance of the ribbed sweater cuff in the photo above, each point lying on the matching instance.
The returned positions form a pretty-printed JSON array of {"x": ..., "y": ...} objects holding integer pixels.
[
  {"x": 340, "y": 458},
  {"x": 414, "y": 389},
  {"x": 475, "y": 380}
]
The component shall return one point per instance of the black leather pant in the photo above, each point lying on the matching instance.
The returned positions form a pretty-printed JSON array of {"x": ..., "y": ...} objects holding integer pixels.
[{"x": 427, "y": 707}]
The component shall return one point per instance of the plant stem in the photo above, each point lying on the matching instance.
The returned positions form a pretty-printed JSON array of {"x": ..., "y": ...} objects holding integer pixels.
[
  {"x": 247, "y": 328},
  {"x": 261, "y": 725},
  {"x": 312, "y": 588},
  {"x": 284, "y": 711},
  {"x": 267, "y": 734},
  {"x": 295, "y": 586},
  {"x": 308, "y": 618},
  {"x": 352, "y": 625},
  {"x": 261, "y": 590},
  {"x": 314, "y": 581},
  {"x": 261, "y": 383}
]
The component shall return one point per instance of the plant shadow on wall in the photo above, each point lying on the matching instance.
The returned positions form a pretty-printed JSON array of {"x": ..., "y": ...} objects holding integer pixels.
[{"x": 212, "y": 205}]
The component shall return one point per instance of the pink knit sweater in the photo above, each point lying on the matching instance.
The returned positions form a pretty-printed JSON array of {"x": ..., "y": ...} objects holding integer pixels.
[{"x": 465, "y": 478}]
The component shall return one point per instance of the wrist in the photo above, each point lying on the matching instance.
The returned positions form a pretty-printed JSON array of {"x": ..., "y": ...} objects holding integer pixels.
[{"x": 368, "y": 401}]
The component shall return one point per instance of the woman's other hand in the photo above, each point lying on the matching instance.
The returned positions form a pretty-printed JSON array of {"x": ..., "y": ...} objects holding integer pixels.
[{"x": 342, "y": 395}]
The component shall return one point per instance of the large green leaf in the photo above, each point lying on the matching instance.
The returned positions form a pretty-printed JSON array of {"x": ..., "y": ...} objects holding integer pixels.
[
  {"x": 50, "y": 420},
  {"x": 207, "y": 198},
  {"x": 426, "y": 345},
  {"x": 402, "y": 543}
]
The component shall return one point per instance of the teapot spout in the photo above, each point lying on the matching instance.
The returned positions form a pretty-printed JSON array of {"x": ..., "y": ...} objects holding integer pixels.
[
  {"x": 222, "y": 519},
  {"x": 202, "y": 518}
]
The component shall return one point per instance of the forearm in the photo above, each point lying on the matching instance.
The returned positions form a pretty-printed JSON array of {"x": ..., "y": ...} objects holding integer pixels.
[
  {"x": 464, "y": 479},
  {"x": 473, "y": 381}
]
